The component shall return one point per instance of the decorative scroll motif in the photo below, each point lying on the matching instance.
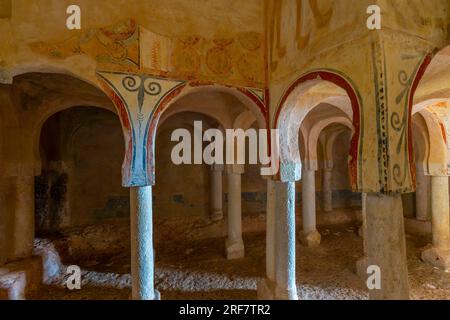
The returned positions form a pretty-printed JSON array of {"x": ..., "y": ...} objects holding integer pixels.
[
  {"x": 118, "y": 44},
  {"x": 400, "y": 124},
  {"x": 142, "y": 85},
  {"x": 136, "y": 97}
]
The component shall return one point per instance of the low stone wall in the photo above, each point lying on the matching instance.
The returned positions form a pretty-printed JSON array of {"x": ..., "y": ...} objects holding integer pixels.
[
  {"x": 20, "y": 279},
  {"x": 418, "y": 228}
]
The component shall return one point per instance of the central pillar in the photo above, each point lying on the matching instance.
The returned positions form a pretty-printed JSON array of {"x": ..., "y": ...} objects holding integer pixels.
[
  {"x": 285, "y": 283},
  {"x": 216, "y": 193},
  {"x": 309, "y": 236},
  {"x": 386, "y": 245},
  {"x": 327, "y": 190},
  {"x": 142, "y": 259},
  {"x": 24, "y": 217},
  {"x": 422, "y": 196},
  {"x": 439, "y": 254},
  {"x": 234, "y": 244}
]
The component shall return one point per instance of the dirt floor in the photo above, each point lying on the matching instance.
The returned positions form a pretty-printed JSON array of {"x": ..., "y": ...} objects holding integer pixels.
[{"x": 196, "y": 269}]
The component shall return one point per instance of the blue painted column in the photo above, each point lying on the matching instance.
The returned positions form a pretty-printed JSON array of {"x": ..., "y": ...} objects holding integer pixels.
[
  {"x": 142, "y": 257},
  {"x": 285, "y": 288}
]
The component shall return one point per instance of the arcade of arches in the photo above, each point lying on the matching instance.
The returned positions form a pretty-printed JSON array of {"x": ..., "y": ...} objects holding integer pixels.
[{"x": 86, "y": 176}]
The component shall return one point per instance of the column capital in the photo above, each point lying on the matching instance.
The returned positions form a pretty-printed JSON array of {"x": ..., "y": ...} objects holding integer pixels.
[
  {"x": 308, "y": 169},
  {"x": 328, "y": 165},
  {"x": 439, "y": 176},
  {"x": 310, "y": 165},
  {"x": 235, "y": 169},
  {"x": 138, "y": 98},
  {"x": 290, "y": 172},
  {"x": 217, "y": 167}
]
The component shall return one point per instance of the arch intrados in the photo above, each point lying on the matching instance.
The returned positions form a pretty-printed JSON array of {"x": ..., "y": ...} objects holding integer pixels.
[
  {"x": 168, "y": 116},
  {"x": 289, "y": 121},
  {"x": 257, "y": 108},
  {"x": 421, "y": 138}
]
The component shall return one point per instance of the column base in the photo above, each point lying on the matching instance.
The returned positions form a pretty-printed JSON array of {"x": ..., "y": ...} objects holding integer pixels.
[
  {"x": 285, "y": 294},
  {"x": 266, "y": 289},
  {"x": 439, "y": 258},
  {"x": 311, "y": 239},
  {"x": 361, "y": 268},
  {"x": 157, "y": 297},
  {"x": 20, "y": 278},
  {"x": 217, "y": 216},
  {"x": 235, "y": 250}
]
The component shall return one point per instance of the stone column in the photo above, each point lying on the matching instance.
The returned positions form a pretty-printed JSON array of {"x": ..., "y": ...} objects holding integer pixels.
[
  {"x": 386, "y": 246},
  {"x": 216, "y": 193},
  {"x": 422, "y": 196},
  {"x": 309, "y": 236},
  {"x": 24, "y": 217},
  {"x": 266, "y": 287},
  {"x": 327, "y": 190},
  {"x": 234, "y": 243},
  {"x": 439, "y": 254},
  {"x": 285, "y": 287},
  {"x": 142, "y": 260},
  {"x": 361, "y": 264}
]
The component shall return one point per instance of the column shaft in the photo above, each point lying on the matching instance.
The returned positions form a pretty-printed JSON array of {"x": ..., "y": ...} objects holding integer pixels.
[
  {"x": 361, "y": 264},
  {"x": 327, "y": 190},
  {"x": 440, "y": 212},
  {"x": 142, "y": 259},
  {"x": 234, "y": 244},
  {"x": 286, "y": 287},
  {"x": 216, "y": 194},
  {"x": 266, "y": 287},
  {"x": 308, "y": 201},
  {"x": 422, "y": 196},
  {"x": 439, "y": 254},
  {"x": 310, "y": 236},
  {"x": 386, "y": 246},
  {"x": 270, "y": 230}
]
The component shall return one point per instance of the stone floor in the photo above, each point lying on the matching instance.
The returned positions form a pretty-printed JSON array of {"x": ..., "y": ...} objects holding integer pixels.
[{"x": 197, "y": 269}]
